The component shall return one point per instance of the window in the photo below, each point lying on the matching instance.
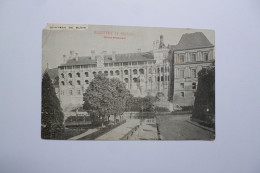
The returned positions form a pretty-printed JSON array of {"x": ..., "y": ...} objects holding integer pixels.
[
  {"x": 182, "y": 94},
  {"x": 141, "y": 63},
  {"x": 62, "y": 75},
  {"x": 158, "y": 70},
  {"x": 78, "y": 82},
  {"x": 162, "y": 70},
  {"x": 94, "y": 73},
  {"x": 126, "y": 80},
  {"x": 70, "y": 82},
  {"x": 62, "y": 83},
  {"x": 181, "y": 73},
  {"x": 100, "y": 72},
  {"x": 141, "y": 71},
  {"x": 126, "y": 72},
  {"x": 111, "y": 73},
  {"x": 71, "y": 92},
  {"x": 117, "y": 72},
  {"x": 86, "y": 74},
  {"x": 193, "y": 73},
  {"x": 125, "y": 63},
  {"x": 87, "y": 82},
  {"x": 78, "y": 92},
  {"x": 181, "y": 58},
  {"x": 116, "y": 64},
  {"x": 135, "y": 80},
  {"x": 135, "y": 71},
  {"x": 161, "y": 78},
  {"x": 194, "y": 86},
  {"x": 70, "y": 75},
  {"x": 150, "y": 80},
  {"x": 193, "y": 57},
  {"x": 206, "y": 56},
  {"x": 106, "y": 73},
  {"x": 182, "y": 85},
  {"x": 134, "y": 63},
  {"x": 78, "y": 74}
]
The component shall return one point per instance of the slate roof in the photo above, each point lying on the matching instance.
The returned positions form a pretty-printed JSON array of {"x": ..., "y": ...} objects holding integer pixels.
[
  {"x": 128, "y": 57},
  {"x": 192, "y": 41}
]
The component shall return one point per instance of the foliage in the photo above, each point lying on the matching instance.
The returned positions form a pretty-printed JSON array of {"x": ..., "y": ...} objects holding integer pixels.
[
  {"x": 52, "y": 115},
  {"x": 204, "y": 105},
  {"x": 138, "y": 104},
  {"x": 161, "y": 109},
  {"x": 105, "y": 97}
]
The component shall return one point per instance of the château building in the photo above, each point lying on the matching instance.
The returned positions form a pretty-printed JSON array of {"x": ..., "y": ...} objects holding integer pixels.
[{"x": 144, "y": 73}]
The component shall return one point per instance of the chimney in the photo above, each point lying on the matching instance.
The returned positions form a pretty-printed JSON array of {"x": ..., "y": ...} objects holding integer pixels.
[
  {"x": 113, "y": 55},
  {"x": 93, "y": 55},
  {"x": 71, "y": 54},
  {"x": 76, "y": 56},
  {"x": 64, "y": 59}
]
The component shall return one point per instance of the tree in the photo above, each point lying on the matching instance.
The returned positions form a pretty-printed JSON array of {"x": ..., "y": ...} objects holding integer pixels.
[
  {"x": 98, "y": 97},
  {"x": 105, "y": 97},
  {"x": 52, "y": 115},
  {"x": 204, "y": 105},
  {"x": 120, "y": 97}
]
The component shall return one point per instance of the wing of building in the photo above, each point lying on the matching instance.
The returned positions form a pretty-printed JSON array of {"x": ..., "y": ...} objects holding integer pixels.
[{"x": 144, "y": 73}]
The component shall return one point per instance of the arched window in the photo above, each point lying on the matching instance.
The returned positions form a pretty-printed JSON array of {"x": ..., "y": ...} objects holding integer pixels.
[
  {"x": 62, "y": 83},
  {"x": 70, "y": 75},
  {"x": 62, "y": 75},
  {"x": 94, "y": 73},
  {"x": 135, "y": 71},
  {"x": 126, "y": 80},
  {"x": 87, "y": 82},
  {"x": 78, "y": 74},
  {"x": 111, "y": 73},
  {"x": 106, "y": 73},
  {"x": 86, "y": 74},
  {"x": 141, "y": 71},
  {"x": 117, "y": 72},
  {"x": 126, "y": 72},
  {"x": 135, "y": 80},
  {"x": 78, "y": 82}
]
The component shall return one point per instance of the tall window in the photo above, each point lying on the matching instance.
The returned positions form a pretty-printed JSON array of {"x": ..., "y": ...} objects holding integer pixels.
[
  {"x": 86, "y": 74},
  {"x": 94, "y": 73},
  {"x": 181, "y": 73},
  {"x": 78, "y": 82},
  {"x": 181, "y": 58},
  {"x": 87, "y": 82},
  {"x": 106, "y": 73},
  {"x": 70, "y": 82},
  {"x": 193, "y": 57},
  {"x": 126, "y": 80},
  {"x": 135, "y": 80},
  {"x": 162, "y": 78},
  {"x": 126, "y": 72},
  {"x": 193, "y": 73},
  {"x": 78, "y": 74},
  {"x": 182, "y": 85},
  {"x": 150, "y": 70},
  {"x": 206, "y": 56},
  {"x": 135, "y": 71},
  {"x": 158, "y": 70},
  {"x": 162, "y": 70},
  {"x": 117, "y": 72},
  {"x": 62, "y": 83},
  {"x": 194, "y": 86},
  {"x": 62, "y": 75},
  {"x": 182, "y": 94},
  {"x": 70, "y": 75}
]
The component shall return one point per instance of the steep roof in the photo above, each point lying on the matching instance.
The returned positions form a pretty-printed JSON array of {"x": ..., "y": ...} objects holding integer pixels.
[
  {"x": 127, "y": 57},
  {"x": 193, "y": 41}
]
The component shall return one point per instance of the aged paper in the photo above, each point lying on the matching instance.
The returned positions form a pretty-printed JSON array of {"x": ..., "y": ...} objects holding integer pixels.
[{"x": 127, "y": 83}]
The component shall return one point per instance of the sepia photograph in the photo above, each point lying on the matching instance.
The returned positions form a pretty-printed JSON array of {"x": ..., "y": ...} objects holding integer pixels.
[{"x": 102, "y": 82}]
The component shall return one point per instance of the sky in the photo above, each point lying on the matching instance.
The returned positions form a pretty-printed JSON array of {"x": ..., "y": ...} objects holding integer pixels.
[{"x": 56, "y": 43}]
